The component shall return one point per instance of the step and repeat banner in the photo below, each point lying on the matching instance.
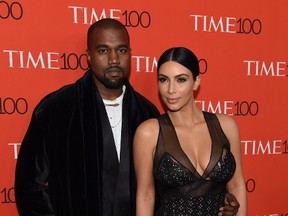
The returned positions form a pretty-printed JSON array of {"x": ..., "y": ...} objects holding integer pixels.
[{"x": 242, "y": 48}]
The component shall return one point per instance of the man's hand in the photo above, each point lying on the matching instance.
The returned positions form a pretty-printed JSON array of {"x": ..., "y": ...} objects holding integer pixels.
[{"x": 231, "y": 206}]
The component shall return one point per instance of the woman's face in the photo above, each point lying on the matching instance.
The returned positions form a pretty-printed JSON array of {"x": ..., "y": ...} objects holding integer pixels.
[{"x": 176, "y": 85}]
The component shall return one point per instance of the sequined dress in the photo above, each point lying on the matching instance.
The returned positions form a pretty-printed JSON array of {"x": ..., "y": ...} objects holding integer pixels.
[{"x": 180, "y": 189}]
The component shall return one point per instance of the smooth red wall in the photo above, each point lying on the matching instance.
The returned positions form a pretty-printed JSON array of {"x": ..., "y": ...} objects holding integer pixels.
[{"x": 242, "y": 47}]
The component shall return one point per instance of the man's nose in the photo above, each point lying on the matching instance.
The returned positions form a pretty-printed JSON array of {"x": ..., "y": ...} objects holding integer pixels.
[{"x": 113, "y": 57}]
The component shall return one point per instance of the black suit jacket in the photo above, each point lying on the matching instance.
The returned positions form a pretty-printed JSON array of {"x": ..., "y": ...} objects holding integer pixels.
[{"x": 60, "y": 163}]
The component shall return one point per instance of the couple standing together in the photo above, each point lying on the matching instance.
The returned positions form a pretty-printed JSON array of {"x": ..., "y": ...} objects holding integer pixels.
[{"x": 97, "y": 147}]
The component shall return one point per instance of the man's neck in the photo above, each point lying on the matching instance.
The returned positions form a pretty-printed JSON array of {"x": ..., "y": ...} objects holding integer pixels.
[{"x": 108, "y": 93}]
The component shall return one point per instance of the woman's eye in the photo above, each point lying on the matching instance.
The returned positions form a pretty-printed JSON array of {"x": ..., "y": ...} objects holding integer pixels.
[
  {"x": 162, "y": 79},
  {"x": 181, "y": 80}
]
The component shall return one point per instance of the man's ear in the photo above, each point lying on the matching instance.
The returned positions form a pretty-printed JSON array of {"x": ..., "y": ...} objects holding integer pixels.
[
  {"x": 196, "y": 83},
  {"x": 88, "y": 55}
]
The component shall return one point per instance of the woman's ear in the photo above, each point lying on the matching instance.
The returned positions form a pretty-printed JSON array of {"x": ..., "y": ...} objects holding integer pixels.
[{"x": 196, "y": 83}]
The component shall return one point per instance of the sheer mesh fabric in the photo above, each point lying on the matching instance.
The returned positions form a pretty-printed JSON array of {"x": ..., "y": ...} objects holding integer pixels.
[{"x": 181, "y": 190}]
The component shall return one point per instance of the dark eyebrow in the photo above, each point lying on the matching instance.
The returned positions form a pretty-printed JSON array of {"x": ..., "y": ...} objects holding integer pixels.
[
  {"x": 162, "y": 75},
  {"x": 175, "y": 76},
  {"x": 101, "y": 46},
  {"x": 123, "y": 46},
  {"x": 183, "y": 75},
  {"x": 106, "y": 46}
]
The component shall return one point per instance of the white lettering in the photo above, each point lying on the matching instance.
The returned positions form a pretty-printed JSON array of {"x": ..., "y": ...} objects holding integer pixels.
[
  {"x": 90, "y": 15},
  {"x": 261, "y": 68},
  {"x": 270, "y": 147},
  {"x": 208, "y": 24},
  {"x": 23, "y": 59},
  {"x": 16, "y": 147},
  {"x": 145, "y": 63},
  {"x": 225, "y": 107}
]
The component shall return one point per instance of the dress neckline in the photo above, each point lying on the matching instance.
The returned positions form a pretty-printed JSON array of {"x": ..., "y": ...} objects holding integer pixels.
[{"x": 186, "y": 162}]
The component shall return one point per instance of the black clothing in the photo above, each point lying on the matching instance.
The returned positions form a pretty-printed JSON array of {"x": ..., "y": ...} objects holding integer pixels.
[
  {"x": 62, "y": 164},
  {"x": 181, "y": 189}
]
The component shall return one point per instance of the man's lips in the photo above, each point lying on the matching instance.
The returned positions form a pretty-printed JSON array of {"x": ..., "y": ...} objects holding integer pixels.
[
  {"x": 114, "y": 72},
  {"x": 113, "y": 69}
]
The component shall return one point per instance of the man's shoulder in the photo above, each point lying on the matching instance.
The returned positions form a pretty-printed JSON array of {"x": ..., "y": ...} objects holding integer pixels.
[
  {"x": 63, "y": 97},
  {"x": 146, "y": 106},
  {"x": 142, "y": 97},
  {"x": 145, "y": 101}
]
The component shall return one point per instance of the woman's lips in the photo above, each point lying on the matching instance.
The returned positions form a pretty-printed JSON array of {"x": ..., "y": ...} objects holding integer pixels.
[{"x": 172, "y": 100}]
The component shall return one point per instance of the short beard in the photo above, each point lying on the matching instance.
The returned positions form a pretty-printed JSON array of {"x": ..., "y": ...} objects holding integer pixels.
[{"x": 115, "y": 84}]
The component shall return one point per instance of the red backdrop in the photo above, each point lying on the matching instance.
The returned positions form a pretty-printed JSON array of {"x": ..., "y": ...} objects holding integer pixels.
[{"x": 242, "y": 47}]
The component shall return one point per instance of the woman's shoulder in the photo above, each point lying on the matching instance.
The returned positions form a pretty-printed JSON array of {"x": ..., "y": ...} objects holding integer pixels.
[
  {"x": 228, "y": 124},
  {"x": 149, "y": 125},
  {"x": 226, "y": 120},
  {"x": 147, "y": 134}
]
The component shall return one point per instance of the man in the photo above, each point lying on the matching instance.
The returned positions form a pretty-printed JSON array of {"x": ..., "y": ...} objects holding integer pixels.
[{"x": 76, "y": 157}]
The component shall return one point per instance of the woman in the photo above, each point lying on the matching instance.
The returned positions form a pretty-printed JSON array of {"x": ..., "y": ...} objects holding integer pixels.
[{"x": 187, "y": 159}]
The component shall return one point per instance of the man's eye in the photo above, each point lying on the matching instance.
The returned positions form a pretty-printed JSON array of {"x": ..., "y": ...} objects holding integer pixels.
[
  {"x": 123, "y": 50},
  {"x": 103, "y": 51}
]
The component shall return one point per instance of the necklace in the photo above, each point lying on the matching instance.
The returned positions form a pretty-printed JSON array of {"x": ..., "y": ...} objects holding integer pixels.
[
  {"x": 112, "y": 105},
  {"x": 114, "y": 126},
  {"x": 114, "y": 109}
]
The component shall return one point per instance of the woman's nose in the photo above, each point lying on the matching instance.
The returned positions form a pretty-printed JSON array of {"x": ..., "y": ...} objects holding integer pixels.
[{"x": 171, "y": 88}]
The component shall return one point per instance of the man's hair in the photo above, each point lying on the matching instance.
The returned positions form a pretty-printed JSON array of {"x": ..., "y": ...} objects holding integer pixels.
[{"x": 106, "y": 23}]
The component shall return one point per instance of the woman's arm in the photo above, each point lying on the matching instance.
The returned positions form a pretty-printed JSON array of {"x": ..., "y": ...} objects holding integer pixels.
[
  {"x": 236, "y": 185},
  {"x": 145, "y": 140}
]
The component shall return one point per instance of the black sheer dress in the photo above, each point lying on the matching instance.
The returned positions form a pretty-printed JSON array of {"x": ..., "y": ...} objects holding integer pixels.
[{"x": 180, "y": 189}]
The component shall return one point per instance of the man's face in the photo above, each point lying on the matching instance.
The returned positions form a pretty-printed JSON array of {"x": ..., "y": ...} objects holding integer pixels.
[{"x": 109, "y": 56}]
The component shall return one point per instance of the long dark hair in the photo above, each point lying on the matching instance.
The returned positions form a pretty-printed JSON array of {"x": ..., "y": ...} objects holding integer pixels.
[{"x": 182, "y": 56}]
